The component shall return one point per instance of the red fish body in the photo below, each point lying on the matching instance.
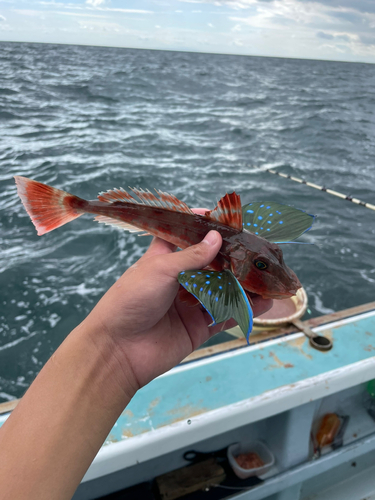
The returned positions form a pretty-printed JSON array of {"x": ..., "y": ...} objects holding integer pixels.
[
  {"x": 257, "y": 263},
  {"x": 249, "y": 261}
]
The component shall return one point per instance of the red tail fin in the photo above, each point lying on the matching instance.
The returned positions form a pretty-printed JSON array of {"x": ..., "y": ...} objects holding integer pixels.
[{"x": 48, "y": 207}]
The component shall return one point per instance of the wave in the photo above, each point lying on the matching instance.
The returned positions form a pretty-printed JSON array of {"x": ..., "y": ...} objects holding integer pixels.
[{"x": 87, "y": 119}]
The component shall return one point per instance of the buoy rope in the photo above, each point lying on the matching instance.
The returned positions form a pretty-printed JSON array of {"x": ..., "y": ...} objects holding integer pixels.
[{"x": 323, "y": 188}]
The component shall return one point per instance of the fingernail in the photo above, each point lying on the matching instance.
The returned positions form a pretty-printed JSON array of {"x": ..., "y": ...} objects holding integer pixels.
[{"x": 211, "y": 238}]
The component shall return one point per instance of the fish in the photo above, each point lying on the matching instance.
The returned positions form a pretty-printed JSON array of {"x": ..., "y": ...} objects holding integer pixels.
[{"x": 250, "y": 261}]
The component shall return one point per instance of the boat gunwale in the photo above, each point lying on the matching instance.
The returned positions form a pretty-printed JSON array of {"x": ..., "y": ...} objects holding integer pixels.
[
  {"x": 276, "y": 333},
  {"x": 233, "y": 345}
]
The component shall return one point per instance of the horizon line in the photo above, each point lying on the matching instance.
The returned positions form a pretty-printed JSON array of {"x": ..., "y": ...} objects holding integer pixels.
[{"x": 188, "y": 51}]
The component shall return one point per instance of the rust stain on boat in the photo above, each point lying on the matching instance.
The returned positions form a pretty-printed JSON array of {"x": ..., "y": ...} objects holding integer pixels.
[
  {"x": 327, "y": 333},
  {"x": 299, "y": 344},
  {"x": 279, "y": 363},
  {"x": 369, "y": 348},
  {"x": 154, "y": 403},
  {"x": 127, "y": 433},
  {"x": 184, "y": 412},
  {"x": 128, "y": 413},
  {"x": 111, "y": 439}
]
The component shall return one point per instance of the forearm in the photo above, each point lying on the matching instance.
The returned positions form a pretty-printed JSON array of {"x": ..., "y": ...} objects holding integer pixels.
[
  {"x": 138, "y": 330},
  {"x": 53, "y": 435}
]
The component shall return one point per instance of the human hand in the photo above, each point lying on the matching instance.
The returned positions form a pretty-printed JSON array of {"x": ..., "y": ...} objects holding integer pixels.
[
  {"x": 138, "y": 330},
  {"x": 152, "y": 330}
]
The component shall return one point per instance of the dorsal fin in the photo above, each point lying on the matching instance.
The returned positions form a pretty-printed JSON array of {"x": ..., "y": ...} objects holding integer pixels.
[
  {"x": 161, "y": 200},
  {"x": 228, "y": 211},
  {"x": 113, "y": 195}
]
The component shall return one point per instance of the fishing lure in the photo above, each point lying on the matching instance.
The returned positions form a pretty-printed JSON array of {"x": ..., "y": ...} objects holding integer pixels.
[{"x": 249, "y": 261}]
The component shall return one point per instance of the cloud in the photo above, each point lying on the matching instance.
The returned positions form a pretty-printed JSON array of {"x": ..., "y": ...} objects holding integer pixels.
[
  {"x": 341, "y": 37},
  {"x": 61, "y": 4},
  {"x": 99, "y": 26},
  {"x": 28, "y": 12},
  {"x": 345, "y": 38},
  {"x": 339, "y": 23},
  {"x": 321, "y": 29},
  {"x": 278, "y": 13},
  {"x": 95, "y": 3},
  {"x": 367, "y": 39},
  {"x": 75, "y": 14},
  {"x": 124, "y": 11},
  {"x": 234, "y": 4},
  {"x": 325, "y": 36}
]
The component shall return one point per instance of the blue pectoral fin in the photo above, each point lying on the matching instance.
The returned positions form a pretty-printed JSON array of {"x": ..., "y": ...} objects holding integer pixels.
[
  {"x": 275, "y": 222},
  {"x": 221, "y": 295}
]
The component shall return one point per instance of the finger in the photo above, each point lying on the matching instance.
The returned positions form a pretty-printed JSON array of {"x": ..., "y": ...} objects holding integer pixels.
[
  {"x": 158, "y": 247},
  {"x": 260, "y": 305},
  {"x": 200, "y": 211},
  {"x": 195, "y": 257},
  {"x": 220, "y": 327}
]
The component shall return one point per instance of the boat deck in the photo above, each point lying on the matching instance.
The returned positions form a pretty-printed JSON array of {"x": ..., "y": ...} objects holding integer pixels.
[
  {"x": 220, "y": 391},
  {"x": 272, "y": 390}
]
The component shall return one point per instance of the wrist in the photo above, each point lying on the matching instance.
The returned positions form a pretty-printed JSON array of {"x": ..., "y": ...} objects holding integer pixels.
[{"x": 115, "y": 369}]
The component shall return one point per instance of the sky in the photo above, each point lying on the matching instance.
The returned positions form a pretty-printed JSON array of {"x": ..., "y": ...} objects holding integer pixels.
[{"x": 342, "y": 30}]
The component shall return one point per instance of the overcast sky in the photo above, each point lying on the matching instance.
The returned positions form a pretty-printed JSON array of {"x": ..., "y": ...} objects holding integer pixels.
[{"x": 319, "y": 29}]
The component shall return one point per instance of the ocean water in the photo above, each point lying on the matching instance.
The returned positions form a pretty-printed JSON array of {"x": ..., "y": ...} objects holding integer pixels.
[{"x": 87, "y": 119}]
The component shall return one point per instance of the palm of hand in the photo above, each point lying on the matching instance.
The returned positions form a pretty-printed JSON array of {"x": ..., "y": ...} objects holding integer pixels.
[{"x": 152, "y": 328}]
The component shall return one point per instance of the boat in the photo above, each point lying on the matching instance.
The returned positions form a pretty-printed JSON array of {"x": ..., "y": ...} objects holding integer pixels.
[{"x": 274, "y": 393}]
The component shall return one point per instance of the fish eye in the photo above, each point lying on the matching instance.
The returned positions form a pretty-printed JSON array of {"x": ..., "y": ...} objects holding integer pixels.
[{"x": 260, "y": 264}]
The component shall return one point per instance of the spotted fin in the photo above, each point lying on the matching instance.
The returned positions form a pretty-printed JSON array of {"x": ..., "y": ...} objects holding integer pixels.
[
  {"x": 275, "y": 222},
  {"x": 160, "y": 199},
  {"x": 221, "y": 295},
  {"x": 228, "y": 211}
]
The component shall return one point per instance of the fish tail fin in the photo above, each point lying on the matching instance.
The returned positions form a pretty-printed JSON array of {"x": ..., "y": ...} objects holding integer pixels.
[{"x": 48, "y": 207}]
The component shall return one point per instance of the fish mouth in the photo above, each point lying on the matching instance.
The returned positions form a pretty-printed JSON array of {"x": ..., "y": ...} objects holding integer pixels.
[{"x": 286, "y": 294}]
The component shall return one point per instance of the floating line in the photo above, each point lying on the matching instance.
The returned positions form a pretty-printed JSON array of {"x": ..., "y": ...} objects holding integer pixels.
[{"x": 322, "y": 188}]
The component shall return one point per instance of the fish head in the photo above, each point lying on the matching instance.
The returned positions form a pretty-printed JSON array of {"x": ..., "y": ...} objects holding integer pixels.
[{"x": 262, "y": 269}]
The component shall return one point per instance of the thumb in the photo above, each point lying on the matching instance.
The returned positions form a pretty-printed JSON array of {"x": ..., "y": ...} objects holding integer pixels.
[{"x": 196, "y": 256}]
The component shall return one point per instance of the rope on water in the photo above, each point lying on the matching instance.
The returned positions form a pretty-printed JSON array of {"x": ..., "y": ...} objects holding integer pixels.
[{"x": 322, "y": 188}]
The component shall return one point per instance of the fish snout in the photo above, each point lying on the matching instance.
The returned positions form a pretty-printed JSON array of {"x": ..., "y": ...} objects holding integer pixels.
[
  {"x": 293, "y": 285},
  {"x": 295, "y": 282}
]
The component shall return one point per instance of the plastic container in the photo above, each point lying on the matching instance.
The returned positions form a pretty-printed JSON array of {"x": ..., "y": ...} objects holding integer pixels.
[
  {"x": 369, "y": 399},
  {"x": 283, "y": 312},
  {"x": 256, "y": 447},
  {"x": 328, "y": 429}
]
